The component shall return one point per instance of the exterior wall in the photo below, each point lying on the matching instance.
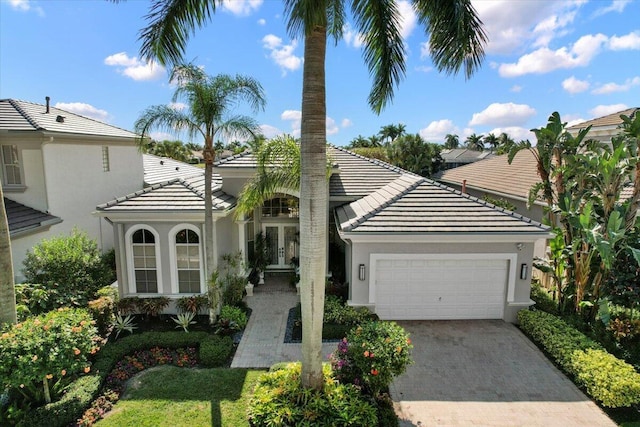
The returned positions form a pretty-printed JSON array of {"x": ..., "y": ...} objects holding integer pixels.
[
  {"x": 76, "y": 184},
  {"x": 232, "y": 185},
  {"x": 361, "y": 254},
  {"x": 34, "y": 194},
  {"x": 226, "y": 237}
]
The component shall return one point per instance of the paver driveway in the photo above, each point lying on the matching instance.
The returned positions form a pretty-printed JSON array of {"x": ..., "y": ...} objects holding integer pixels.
[{"x": 485, "y": 373}]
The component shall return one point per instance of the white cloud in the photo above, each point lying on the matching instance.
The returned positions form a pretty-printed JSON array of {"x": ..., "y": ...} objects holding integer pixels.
[
  {"x": 437, "y": 130},
  {"x": 573, "y": 85},
  {"x": 424, "y": 69},
  {"x": 178, "y": 106},
  {"x": 508, "y": 114},
  {"x": 295, "y": 117},
  {"x": 605, "y": 110},
  {"x": 351, "y": 36},
  {"x": 270, "y": 131},
  {"x": 545, "y": 60},
  {"x": 162, "y": 136},
  {"x": 262, "y": 22},
  {"x": 615, "y": 87},
  {"x": 424, "y": 50},
  {"x": 615, "y": 6},
  {"x": 332, "y": 128},
  {"x": 241, "y": 7},
  {"x": 408, "y": 18},
  {"x": 282, "y": 54},
  {"x": 346, "y": 123},
  {"x": 630, "y": 41},
  {"x": 84, "y": 110},
  {"x": 516, "y": 88},
  {"x": 26, "y": 6},
  {"x": 517, "y": 133},
  {"x": 133, "y": 68}
]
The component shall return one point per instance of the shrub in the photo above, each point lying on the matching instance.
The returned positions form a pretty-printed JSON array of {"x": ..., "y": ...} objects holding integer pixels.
[
  {"x": 607, "y": 379},
  {"x": 235, "y": 314},
  {"x": 34, "y": 299},
  {"x": 233, "y": 289},
  {"x": 41, "y": 354},
  {"x": 128, "y": 305},
  {"x": 544, "y": 301},
  {"x": 72, "y": 266},
  {"x": 101, "y": 310},
  {"x": 279, "y": 399},
  {"x": 152, "y": 307},
  {"x": 372, "y": 354},
  {"x": 336, "y": 311},
  {"x": 192, "y": 304},
  {"x": 215, "y": 351}
]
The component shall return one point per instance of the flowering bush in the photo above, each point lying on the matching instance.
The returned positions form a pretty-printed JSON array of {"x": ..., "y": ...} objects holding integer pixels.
[
  {"x": 46, "y": 350},
  {"x": 371, "y": 355}
]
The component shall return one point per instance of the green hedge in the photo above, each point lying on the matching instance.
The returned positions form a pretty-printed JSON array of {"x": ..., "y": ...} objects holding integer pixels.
[
  {"x": 606, "y": 378},
  {"x": 215, "y": 351}
]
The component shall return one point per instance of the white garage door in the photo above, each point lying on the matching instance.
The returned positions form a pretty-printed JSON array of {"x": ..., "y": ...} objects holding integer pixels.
[{"x": 423, "y": 288}]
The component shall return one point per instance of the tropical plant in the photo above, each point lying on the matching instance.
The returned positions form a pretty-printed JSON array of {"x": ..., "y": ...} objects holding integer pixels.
[
  {"x": 153, "y": 307},
  {"x": 474, "y": 142},
  {"x": 412, "y": 153},
  {"x": 209, "y": 102},
  {"x": 235, "y": 314},
  {"x": 491, "y": 140},
  {"x": 171, "y": 149},
  {"x": 505, "y": 142},
  {"x": 121, "y": 324},
  {"x": 379, "y": 153},
  {"x": 7, "y": 291},
  {"x": 456, "y": 40},
  {"x": 192, "y": 304},
  {"x": 184, "y": 320},
  {"x": 359, "y": 142},
  {"x": 451, "y": 141},
  {"x": 389, "y": 133}
]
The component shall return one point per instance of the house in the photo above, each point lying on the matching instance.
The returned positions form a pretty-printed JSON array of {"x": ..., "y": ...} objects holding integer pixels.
[
  {"x": 454, "y": 157},
  {"x": 56, "y": 167},
  {"x": 410, "y": 248}
]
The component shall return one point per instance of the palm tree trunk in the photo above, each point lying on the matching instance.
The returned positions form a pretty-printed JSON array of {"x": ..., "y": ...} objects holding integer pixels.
[
  {"x": 313, "y": 206},
  {"x": 7, "y": 290},
  {"x": 208, "y": 154}
]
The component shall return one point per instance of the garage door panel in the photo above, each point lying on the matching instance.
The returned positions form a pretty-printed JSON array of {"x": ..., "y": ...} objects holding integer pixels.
[{"x": 440, "y": 288}]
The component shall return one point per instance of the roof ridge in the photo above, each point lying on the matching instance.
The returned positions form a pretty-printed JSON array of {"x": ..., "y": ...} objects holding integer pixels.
[
  {"x": 15, "y": 104},
  {"x": 233, "y": 157},
  {"x": 376, "y": 162}
]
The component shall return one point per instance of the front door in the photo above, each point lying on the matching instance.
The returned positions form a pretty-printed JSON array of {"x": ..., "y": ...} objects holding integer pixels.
[{"x": 282, "y": 240}]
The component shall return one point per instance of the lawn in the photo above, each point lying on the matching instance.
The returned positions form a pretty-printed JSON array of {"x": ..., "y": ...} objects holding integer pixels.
[{"x": 174, "y": 397}]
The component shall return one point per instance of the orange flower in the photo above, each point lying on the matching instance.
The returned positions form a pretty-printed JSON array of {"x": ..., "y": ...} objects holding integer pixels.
[
  {"x": 93, "y": 350},
  {"x": 63, "y": 372},
  {"x": 87, "y": 369},
  {"x": 399, "y": 349},
  {"x": 49, "y": 376},
  {"x": 366, "y": 353},
  {"x": 374, "y": 371},
  {"x": 408, "y": 340},
  {"x": 76, "y": 351}
]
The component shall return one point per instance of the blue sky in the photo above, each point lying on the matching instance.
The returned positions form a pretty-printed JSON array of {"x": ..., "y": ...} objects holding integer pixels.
[{"x": 580, "y": 58}]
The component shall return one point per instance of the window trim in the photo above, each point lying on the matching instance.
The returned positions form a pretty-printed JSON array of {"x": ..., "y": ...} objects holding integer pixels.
[
  {"x": 5, "y": 185},
  {"x": 131, "y": 271},
  {"x": 173, "y": 258}
]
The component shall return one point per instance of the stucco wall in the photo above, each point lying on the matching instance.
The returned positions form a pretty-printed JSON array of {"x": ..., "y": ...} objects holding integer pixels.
[{"x": 361, "y": 254}]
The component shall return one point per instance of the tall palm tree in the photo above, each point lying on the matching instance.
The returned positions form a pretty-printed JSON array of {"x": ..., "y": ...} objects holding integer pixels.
[
  {"x": 456, "y": 41},
  {"x": 209, "y": 102},
  {"x": 172, "y": 149},
  {"x": 359, "y": 142},
  {"x": 474, "y": 142},
  {"x": 7, "y": 289},
  {"x": 389, "y": 133},
  {"x": 451, "y": 141},
  {"x": 491, "y": 140},
  {"x": 375, "y": 141},
  {"x": 505, "y": 142}
]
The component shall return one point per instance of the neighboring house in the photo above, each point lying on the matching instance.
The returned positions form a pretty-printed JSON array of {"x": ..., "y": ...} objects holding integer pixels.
[
  {"x": 56, "y": 166},
  {"x": 413, "y": 248},
  {"x": 603, "y": 128},
  {"x": 455, "y": 157}
]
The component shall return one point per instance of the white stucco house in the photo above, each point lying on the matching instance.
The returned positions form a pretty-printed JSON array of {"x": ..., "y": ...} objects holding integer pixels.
[
  {"x": 56, "y": 166},
  {"x": 411, "y": 248}
]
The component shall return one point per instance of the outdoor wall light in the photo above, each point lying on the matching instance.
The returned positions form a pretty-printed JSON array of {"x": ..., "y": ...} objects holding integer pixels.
[
  {"x": 524, "y": 271},
  {"x": 361, "y": 272}
]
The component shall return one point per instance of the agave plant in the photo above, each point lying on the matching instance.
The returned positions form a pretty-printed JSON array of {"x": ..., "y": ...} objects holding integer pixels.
[
  {"x": 123, "y": 324},
  {"x": 184, "y": 320}
]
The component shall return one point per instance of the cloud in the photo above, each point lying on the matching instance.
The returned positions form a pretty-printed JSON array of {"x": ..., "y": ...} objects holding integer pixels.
[
  {"x": 25, "y": 6},
  {"x": 508, "y": 114},
  {"x": 615, "y": 6},
  {"x": 178, "y": 106},
  {"x": 573, "y": 85},
  {"x": 615, "y": 87},
  {"x": 332, "y": 128},
  {"x": 351, "y": 36},
  {"x": 133, "y": 68},
  {"x": 295, "y": 117},
  {"x": 516, "y": 88},
  {"x": 437, "y": 130},
  {"x": 241, "y": 7},
  {"x": 83, "y": 110},
  {"x": 605, "y": 110},
  {"x": 282, "y": 54},
  {"x": 408, "y": 18},
  {"x": 262, "y": 22},
  {"x": 346, "y": 123},
  {"x": 270, "y": 131},
  {"x": 517, "y": 133},
  {"x": 629, "y": 42},
  {"x": 424, "y": 69},
  {"x": 545, "y": 60}
]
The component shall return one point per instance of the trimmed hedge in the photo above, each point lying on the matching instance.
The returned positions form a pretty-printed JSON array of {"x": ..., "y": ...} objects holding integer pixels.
[
  {"x": 215, "y": 351},
  {"x": 606, "y": 378}
]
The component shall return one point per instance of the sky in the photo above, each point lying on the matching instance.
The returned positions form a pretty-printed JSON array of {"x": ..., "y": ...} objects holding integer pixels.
[{"x": 580, "y": 58}]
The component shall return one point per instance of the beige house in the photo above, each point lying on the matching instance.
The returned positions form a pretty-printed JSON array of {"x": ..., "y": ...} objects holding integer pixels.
[{"x": 408, "y": 247}]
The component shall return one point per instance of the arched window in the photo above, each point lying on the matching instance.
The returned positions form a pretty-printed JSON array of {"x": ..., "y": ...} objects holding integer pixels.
[
  {"x": 143, "y": 245},
  {"x": 188, "y": 261}
]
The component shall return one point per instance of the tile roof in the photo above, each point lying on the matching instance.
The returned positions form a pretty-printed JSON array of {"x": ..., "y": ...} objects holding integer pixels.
[
  {"x": 16, "y": 115},
  {"x": 175, "y": 195},
  {"x": 463, "y": 155},
  {"x": 22, "y": 218},
  {"x": 161, "y": 169},
  {"x": 496, "y": 175},
  {"x": 412, "y": 204},
  {"x": 608, "y": 120}
]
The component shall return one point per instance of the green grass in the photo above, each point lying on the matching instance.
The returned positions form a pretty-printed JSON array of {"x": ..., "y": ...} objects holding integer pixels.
[{"x": 174, "y": 397}]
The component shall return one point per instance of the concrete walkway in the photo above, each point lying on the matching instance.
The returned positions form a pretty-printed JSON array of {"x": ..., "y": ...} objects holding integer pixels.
[
  {"x": 262, "y": 342},
  {"x": 485, "y": 373}
]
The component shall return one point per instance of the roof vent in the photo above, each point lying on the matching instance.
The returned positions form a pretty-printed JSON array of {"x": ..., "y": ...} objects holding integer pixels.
[
  {"x": 161, "y": 162},
  {"x": 177, "y": 168},
  {"x": 47, "y": 99},
  {"x": 60, "y": 119}
]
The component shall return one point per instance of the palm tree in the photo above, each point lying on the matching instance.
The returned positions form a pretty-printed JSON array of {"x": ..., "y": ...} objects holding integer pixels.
[
  {"x": 474, "y": 142},
  {"x": 412, "y": 153},
  {"x": 171, "y": 149},
  {"x": 491, "y": 140},
  {"x": 451, "y": 141},
  {"x": 7, "y": 289},
  {"x": 209, "y": 100},
  {"x": 389, "y": 133},
  {"x": 374, "y": 141},
  {"x": 359, "y": 142},
  {"x": 456, "y": 40},
  {"x": 505, "y": 142}
]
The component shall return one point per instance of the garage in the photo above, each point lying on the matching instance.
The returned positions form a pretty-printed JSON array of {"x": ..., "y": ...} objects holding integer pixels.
[{"x": 439, "y": 287}]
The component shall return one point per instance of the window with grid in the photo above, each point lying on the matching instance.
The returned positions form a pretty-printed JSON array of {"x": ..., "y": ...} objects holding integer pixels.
[
  {"x": 188, "y": 261},
  {"x": 283, "y": 207},
  {"x": 11, "y": 165},
  {"x": 143, "y": 244},
  {"x": 105, "y": 159}
]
